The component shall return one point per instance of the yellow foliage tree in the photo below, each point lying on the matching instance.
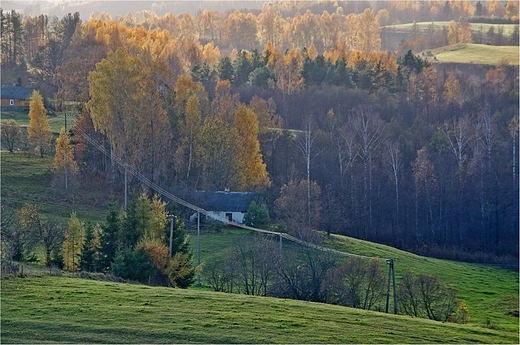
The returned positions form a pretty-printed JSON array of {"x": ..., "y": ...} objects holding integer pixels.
[
  {"x": 268, "y": 120},
  {"x": 39, "y": 131},
  {"x": 367, "y": 34},
  {"x": 224, "y": 102},
  {"x": 64, "y": 164},
  {"x": 158, "y": 219},
  {"x": 126, "y": 105},
  {"x": 452, "y": 89},
  {"x": 512, "y": 9},
  {"x": 211, "y": 54},
  {"x": 73, "y": 243},
  {"x": 251, "y": 168}
]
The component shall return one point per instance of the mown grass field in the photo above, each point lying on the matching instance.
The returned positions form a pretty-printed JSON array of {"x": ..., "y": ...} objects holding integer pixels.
[
  {"x": 71, "y": 310},
  {"x": 477, "y": 54}
]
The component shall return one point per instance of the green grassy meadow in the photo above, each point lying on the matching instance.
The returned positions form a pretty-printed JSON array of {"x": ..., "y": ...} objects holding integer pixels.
[
  {"x": 477, "y": 54},
  {"x": 71, "y": 310},
  {"x": 490, "y": 291}
]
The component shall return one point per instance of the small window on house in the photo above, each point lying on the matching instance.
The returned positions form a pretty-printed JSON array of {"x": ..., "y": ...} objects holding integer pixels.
[{"x": 11, "y": 102}]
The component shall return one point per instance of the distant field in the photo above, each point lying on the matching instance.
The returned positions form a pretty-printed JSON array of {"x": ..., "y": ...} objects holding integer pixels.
[
  {"x": 477, "y": 54},
  {"x": 72, "y": 310},
  {"x": 478, "y": 27}
]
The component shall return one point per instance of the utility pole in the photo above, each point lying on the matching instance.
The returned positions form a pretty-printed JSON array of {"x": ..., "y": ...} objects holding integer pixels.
[
  {"x": 65, "y": 122},
  {"x": 126, "y": 188},
  {"x": 391, "y": 276},
  {"x": 198, "y": 246},
  {"x": 281, "y": 247},
  {"x": 172, "y": 219}
]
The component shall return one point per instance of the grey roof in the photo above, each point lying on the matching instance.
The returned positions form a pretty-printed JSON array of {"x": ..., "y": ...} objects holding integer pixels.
[
  {"x": 16, "y": 92},
  {"x": 227, "y": 201}
]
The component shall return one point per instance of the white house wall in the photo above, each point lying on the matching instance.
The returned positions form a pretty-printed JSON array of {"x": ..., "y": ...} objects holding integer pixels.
[{"x": 238, "y": 217}]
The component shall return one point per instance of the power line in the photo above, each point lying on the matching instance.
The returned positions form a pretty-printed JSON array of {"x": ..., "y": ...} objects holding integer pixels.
[{"x": 158, "y": 189}]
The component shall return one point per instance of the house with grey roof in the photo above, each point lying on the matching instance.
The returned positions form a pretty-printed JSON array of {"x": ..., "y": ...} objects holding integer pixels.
[
  {"x": 225, "y": 205},
  {"x": 15, "y": 97}
]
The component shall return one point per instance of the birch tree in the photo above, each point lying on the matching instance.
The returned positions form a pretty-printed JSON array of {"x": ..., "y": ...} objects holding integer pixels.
[
  {"x": 370, "y": 130},
  {"x": 126, "y": 106},
  {"x": 395, "y": 160},
  {"x": 425, "y": 182},
  {"x": 306, "y": 143}
]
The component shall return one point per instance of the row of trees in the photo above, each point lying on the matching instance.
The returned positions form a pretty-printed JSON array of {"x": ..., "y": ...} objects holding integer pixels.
[
  {"x": 258, "y": 267},
  {"x": 131, "y": 244},
  {"x": 41, "y": 42}
]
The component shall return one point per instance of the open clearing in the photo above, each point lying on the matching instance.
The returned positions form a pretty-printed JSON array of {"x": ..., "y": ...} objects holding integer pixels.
[
  {"x": 73, "y": 310},
  {"x": 477, "y": 54}
]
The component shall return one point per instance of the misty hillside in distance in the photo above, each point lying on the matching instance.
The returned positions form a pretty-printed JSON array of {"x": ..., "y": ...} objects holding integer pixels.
[{"x": 119, "y": 7}]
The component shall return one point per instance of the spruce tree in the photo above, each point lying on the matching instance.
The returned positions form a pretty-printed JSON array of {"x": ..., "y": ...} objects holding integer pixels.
[
  {"x": 89, "y": 250},
  {"x": 109, "y": 239},
  {"x": 180, "y": 269}
]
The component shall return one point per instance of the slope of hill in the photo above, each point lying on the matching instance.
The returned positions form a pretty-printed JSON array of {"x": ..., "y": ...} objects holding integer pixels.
[
  {"x": 490, "y": 291},
  {"x": 68, "y": 310},
  {"x": 476, "y": 54}
]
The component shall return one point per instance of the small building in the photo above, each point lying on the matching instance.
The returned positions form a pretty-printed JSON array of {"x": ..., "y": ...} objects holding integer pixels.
[
  {"x": 16, "y": 97},
  {"x": 226, "y": 206}
]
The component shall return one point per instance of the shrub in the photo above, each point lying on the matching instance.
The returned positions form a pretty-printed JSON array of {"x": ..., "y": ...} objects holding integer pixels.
[
  {"x": 462, "y": 313},
  {"x": 425, "y": 296}
]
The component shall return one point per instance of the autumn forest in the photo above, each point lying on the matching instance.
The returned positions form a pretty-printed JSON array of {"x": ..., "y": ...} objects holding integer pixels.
[{"x": 302, "y": 102}]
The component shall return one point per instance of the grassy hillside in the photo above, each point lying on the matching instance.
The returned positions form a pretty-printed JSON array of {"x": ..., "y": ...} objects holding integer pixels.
[
  {"x": 71, "y": 310},
  {"x": 477, "y": 54},
  {"x": 26, "y": 178},
  {"x": 490, "y": 291}
]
